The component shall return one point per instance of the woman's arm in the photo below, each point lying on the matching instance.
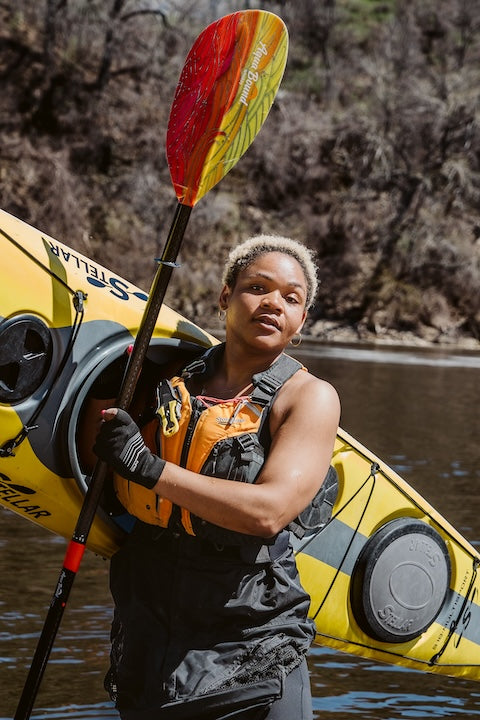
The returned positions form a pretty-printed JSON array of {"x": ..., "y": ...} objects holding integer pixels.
[{"x": 304, "y": 422}]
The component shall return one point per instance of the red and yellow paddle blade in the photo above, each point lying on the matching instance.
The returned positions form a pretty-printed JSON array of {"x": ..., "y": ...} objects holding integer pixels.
[{"x": 226, "y": 89}]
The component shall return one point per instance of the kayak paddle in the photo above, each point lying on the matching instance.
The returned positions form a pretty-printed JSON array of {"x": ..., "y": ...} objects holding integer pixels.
[{"x": 225, "y": 91}]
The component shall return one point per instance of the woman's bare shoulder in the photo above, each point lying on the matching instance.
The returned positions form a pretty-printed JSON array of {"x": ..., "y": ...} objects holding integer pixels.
[
  {"x": 306, "y": 394},
  {"x": 304, "y": 382}
]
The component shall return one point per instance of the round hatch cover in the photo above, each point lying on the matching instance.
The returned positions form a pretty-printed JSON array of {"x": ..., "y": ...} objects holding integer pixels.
[
  {"x": 400, "y": 580},
  {"x": 25, "y": 356}
]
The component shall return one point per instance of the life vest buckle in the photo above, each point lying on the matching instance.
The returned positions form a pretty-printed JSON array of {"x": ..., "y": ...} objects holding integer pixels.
[
  {"x": 168, "y": 418},
  {"x": 247, "y": 446}
]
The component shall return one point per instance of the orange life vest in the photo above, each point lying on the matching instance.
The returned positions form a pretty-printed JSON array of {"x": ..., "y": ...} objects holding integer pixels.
[{"x": 228, "y": 439}]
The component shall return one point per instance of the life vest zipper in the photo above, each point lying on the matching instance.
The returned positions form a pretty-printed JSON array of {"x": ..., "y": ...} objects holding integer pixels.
[
  {"x": 189, "y": 436},
  {"x": 214, "y": 456}
]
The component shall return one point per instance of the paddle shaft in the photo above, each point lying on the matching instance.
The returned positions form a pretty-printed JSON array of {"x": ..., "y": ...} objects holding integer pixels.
[
  {"x": 209, "y": 130},
  {"x": 77, "y": 544},
  {"x": 154, "y": 304}
]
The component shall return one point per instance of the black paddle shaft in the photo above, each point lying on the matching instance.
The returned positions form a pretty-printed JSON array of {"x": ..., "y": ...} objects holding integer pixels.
[
  {"x": 222, "y": 49},
  {"x": 76, "y": 546},
  {"x": 155, "y": 301}
]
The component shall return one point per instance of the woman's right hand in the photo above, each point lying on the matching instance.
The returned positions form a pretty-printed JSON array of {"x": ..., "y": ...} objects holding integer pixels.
[{"x": 120, "y": 444}]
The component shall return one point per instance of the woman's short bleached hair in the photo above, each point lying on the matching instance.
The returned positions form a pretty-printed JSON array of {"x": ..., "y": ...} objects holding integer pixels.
[{"x": 243, "y": 255}]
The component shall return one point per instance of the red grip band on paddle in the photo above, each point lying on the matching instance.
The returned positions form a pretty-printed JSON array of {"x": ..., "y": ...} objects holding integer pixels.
[{"x": 73, "y": 556}]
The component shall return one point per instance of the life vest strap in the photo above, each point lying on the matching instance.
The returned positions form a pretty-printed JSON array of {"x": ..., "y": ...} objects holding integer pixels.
[{"x": 268, "y": 383}]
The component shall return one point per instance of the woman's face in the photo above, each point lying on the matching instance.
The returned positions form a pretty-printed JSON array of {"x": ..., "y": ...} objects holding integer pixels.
[{"x": 266, "y": 307}]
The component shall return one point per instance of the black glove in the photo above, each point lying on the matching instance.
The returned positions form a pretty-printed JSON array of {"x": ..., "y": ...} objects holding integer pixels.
[{"x": 120, "y": 444}]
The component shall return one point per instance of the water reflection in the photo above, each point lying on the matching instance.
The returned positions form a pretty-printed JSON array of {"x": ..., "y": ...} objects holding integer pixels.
[
  {"x": 398, "y": 355},
  {"x": 30, "y": 560},
  {"x": 419, "y": 417},
  {"x": 417, "y": 410},
  {"x": 346, "y": 688},
  {"x": 100, "y": 711}
]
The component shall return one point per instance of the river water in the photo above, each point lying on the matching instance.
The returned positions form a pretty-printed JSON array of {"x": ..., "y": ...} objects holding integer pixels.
[{"x": 416, "y": 409}]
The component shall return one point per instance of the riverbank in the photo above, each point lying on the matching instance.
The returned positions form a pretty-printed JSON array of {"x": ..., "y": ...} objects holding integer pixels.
[
  {"x": 370, "y": 156},
  {"x": 334, "y": 333}
]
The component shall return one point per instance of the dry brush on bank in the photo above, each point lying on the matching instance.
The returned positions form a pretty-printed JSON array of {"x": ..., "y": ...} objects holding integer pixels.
[{"x": 371, "y": 153}]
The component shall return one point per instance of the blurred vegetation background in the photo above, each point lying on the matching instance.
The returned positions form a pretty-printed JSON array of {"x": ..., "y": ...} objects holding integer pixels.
[{"x": 370, "y": 155}]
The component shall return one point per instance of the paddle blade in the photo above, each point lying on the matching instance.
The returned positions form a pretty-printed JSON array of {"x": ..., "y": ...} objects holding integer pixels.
[{"x": 226, "y": 89}]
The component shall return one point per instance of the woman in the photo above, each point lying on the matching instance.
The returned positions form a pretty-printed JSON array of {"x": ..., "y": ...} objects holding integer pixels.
[{"x": 210, "y": 618}]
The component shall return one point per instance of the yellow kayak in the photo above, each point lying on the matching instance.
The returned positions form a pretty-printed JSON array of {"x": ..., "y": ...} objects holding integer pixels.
[
  {"x": 64, "y": 320},
  {"x": 389, "y": 577}
]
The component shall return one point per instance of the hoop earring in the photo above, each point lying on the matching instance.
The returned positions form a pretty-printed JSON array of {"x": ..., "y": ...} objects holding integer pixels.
[
  {"x": 296, "y": 340},
  {"x": 222, "y": 314}
]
